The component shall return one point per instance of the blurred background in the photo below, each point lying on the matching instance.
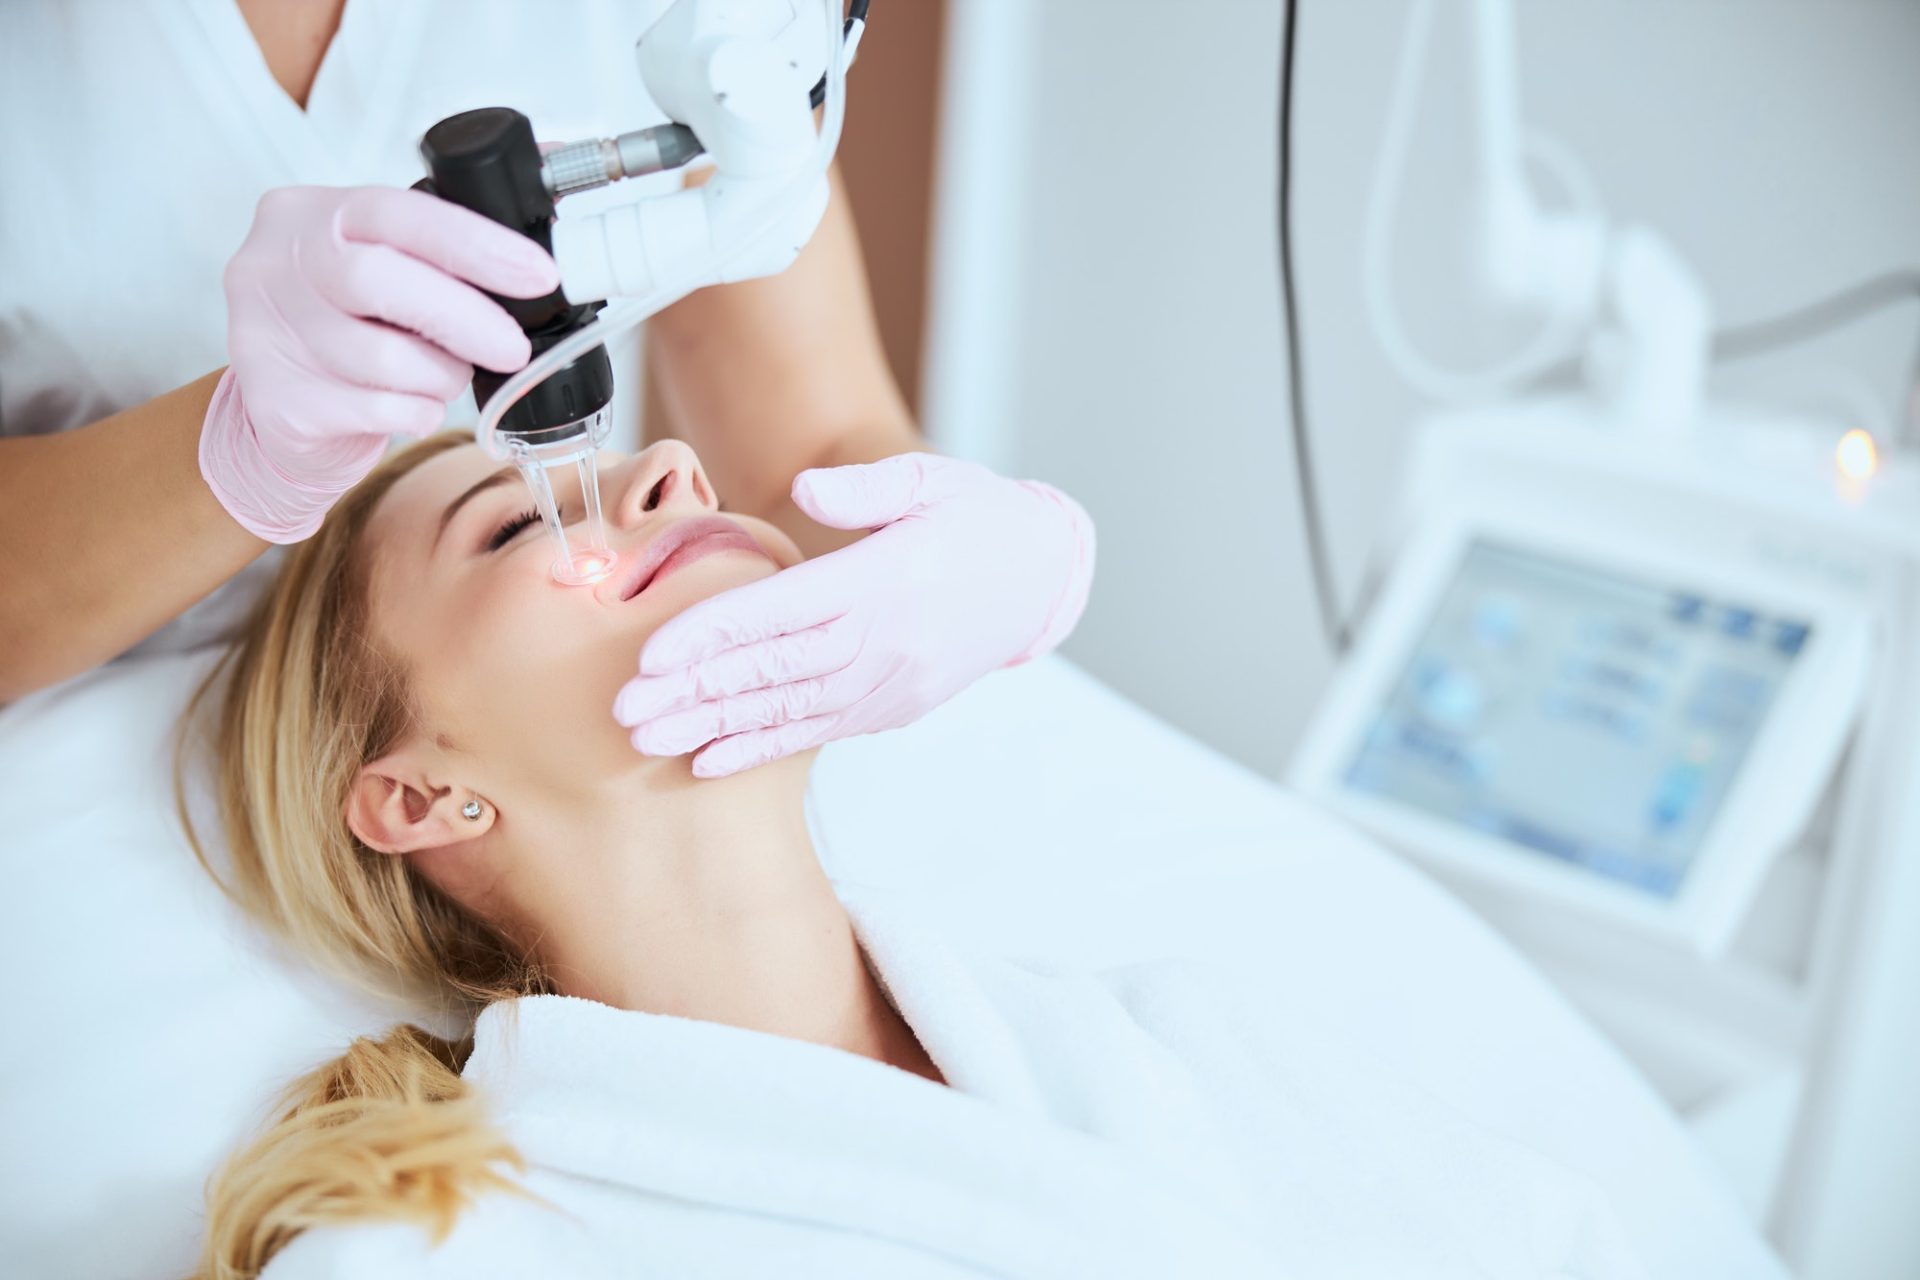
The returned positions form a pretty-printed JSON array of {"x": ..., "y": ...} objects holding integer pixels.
[
  {"x": 1071, "y": 212},
  {"x": 1077, "y": 199}
]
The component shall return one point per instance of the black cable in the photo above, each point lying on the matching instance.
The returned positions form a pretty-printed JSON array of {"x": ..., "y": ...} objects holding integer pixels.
[
  {"x": 1738, "y": 342},
  {"x": 1873, "y": 294},
  {"x": 856, "y": 12},
  {"x": 1331, "y": 621},
  {"x": 1741, "y": 341}
]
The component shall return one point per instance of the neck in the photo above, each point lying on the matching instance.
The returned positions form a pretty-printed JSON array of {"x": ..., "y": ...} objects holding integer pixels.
[{"x": 704, "y": 899}]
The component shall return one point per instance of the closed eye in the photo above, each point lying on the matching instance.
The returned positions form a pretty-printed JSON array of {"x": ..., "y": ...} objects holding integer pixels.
[{"x": 508, "y": 531}]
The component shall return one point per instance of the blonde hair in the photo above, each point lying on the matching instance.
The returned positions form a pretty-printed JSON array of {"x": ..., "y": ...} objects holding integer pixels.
[{"x": 302, "y": 700}]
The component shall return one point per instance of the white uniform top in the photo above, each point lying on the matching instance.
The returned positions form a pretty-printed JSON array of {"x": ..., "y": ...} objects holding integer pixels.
[{"x": 139, "y": 134}]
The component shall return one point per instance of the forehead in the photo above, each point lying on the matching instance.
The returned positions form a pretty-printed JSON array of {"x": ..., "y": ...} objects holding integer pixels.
[
  {"x": 417, "y": 498},
  {"x": 399, "y": 536}
]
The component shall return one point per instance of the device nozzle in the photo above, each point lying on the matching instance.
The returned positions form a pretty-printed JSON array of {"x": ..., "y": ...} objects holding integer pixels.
[
  {"x": 581, "y": 553},
  {"x": 595, "y": 162}
]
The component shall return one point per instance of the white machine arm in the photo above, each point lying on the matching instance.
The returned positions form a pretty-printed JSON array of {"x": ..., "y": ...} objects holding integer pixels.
[
  {"x": 1643, "y": 310},
  {"x": 1620, "y": 293},
  {"x": 738, "y": 73}
]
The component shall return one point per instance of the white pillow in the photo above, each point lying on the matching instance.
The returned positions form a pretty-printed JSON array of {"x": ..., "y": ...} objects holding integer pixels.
[{"x": 151, "y": 1023}]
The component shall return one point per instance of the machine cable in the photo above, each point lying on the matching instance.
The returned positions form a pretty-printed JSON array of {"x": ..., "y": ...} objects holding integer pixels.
[
  {"x": 856, "y": 17},
  {"x": 1338, "y": 634}
]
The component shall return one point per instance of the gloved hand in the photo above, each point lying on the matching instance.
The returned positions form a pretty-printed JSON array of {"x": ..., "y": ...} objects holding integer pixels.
[
  {"x": 352, "y": 315},
  {"x": 966, "y": 572}
]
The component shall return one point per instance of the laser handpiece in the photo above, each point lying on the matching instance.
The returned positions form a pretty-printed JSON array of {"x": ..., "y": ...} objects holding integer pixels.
[
  {"x": 733, "y": 76},
  {"x": 487, "y": 160}
]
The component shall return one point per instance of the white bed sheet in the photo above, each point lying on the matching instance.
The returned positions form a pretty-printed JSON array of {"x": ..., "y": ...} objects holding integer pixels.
[{"x": 1038, "y": 812}]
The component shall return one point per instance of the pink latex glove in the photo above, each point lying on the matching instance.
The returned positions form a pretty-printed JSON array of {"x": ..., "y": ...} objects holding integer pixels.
[
  {"x": 352, "y": 315},
  {"x": 966, "y": 572}
]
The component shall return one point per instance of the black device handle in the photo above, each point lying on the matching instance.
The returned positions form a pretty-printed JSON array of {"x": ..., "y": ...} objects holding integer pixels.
[{"x": 487, "y": 160}]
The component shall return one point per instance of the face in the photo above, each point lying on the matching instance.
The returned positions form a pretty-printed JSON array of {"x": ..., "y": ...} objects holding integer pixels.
[{"x": 515, "y": 674}]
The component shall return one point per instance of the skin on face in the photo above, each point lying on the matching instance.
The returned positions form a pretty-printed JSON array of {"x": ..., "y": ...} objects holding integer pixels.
[
  {"x": 637, "y": 884},
  {"x": 511, "y": 670}
]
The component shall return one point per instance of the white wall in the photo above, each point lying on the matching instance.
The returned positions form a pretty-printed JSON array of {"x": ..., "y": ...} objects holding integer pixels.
[{"x": 1106, "y": 312}]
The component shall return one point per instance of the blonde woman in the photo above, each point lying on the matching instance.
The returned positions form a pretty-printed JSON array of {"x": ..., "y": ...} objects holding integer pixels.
[{"x": 691, "y": 1053}]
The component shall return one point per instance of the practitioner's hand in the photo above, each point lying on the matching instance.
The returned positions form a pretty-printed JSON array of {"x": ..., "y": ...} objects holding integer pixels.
[
  {"x": 964, "y": 573},
  {"x": 353, "y": 314}
]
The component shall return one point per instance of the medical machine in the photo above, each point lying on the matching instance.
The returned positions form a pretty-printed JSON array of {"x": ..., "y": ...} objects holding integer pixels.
[
  {"x": 1643, "y": 687},
  {"x": 1653, "y": 709},
  {"x": 739, "y": 81},
  {"x": 1629, "y": 718}
]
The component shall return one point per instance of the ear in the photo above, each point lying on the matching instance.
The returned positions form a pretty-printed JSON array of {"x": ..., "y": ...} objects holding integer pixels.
[{"x": 396, "y": 807}]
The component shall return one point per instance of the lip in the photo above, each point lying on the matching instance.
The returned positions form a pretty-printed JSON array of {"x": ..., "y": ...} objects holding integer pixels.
[{"x": 645, "y": 566}]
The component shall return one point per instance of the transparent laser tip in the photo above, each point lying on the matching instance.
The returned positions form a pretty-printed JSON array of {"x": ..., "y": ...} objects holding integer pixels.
[
  {"x": 587, "y": 568},
  {"x": 581, "y": 554}
]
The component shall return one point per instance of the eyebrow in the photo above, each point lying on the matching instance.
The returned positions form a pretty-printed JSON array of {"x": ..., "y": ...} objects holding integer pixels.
[{"x": 453, "y": 508}]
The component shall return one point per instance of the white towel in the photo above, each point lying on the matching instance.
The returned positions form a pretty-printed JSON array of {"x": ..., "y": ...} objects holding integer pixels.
[{"x": 1144, "y": 1122}]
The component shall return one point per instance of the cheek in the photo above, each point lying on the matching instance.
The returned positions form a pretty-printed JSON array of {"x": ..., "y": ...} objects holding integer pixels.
[
  {"x": 521, "y": 672},
  {"x": 518, "y": 667}
]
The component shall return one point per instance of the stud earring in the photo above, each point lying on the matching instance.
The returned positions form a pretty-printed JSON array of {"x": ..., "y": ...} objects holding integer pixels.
[{"x": 470, "y": 811}]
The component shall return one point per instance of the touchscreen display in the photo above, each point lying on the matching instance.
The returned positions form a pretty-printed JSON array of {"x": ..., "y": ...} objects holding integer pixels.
[{"x": 1587, "y": 717}]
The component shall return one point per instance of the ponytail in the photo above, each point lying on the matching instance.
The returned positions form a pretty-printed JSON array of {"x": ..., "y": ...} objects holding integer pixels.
[{"x": 388, "y": 1131}]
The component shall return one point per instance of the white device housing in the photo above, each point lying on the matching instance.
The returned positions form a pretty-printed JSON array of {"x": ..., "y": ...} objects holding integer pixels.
[
  {"x": 738, "y": 73},
  {"x": 1675, "y": 547},
  {"x": 1761, "y": 1005}
]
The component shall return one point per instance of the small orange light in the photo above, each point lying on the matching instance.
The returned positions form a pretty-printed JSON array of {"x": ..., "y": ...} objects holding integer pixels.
[
  {"x": 585, "y": 569},
  {"x": 1857, "y": 456}
]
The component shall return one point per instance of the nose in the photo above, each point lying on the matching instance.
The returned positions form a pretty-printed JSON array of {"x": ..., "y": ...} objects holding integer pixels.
[{"x": 663, "y": 476}]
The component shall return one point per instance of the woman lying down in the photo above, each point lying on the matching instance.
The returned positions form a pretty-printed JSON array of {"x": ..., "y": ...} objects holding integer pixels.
[{"x": 691, "y": 1054}]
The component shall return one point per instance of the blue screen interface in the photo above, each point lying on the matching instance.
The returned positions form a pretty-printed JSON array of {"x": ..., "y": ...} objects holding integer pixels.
[{"x": 1582, "y": 716}]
